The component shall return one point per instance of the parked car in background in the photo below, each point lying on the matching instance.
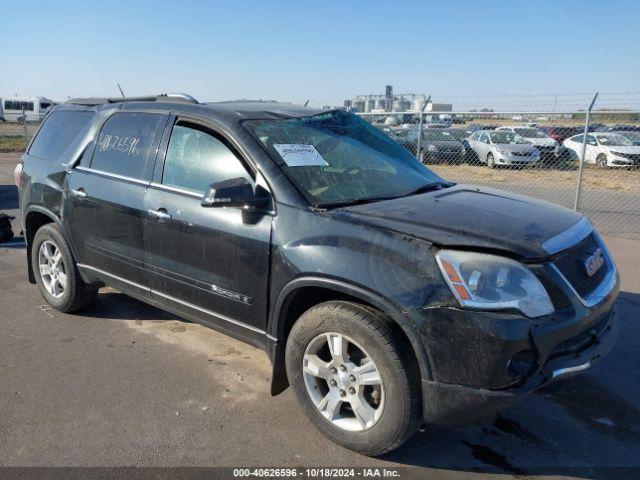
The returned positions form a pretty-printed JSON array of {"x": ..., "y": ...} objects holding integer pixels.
[
  {"x": 552, "y": 152},
  {"x": 437, "y": 145},
  {"x": 606, "y": 149},
  {"x": 559, "y": 132},
  {"x": 633, "y": 136},
  {"x": 499, "y": 147},
  {"x": 621, "y": 127},
  {"x": 547, "y": 146}
]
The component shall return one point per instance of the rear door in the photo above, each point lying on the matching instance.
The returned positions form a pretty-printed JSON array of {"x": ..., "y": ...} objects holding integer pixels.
[
  {"x": 106, "y": 196},
  {"x": 209, "y": 264}
]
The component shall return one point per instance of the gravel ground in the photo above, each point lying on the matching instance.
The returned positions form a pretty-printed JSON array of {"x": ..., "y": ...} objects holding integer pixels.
[{"x": 125, "y": 384}]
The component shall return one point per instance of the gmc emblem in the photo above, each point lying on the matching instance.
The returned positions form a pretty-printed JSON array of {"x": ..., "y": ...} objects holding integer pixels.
[{"x": 593, "y": 263}]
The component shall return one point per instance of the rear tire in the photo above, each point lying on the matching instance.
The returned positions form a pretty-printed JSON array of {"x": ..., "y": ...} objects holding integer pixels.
[
  {"x": 56, "y": 272},
  {"x": 490, "y": 161},
  {"x": 372, "y": 411}
]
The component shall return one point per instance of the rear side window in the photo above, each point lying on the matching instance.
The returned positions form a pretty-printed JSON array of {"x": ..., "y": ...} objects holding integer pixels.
[
  {"x": 58, "y": 132},
  {"x": 124, "y": 143},
  {"x": 196, "y": 159}
]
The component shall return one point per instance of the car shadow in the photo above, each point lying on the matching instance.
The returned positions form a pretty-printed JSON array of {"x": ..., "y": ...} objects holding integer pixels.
[
  {"x": 113, "y": 305},
  {"x": 587, "y": 426}
]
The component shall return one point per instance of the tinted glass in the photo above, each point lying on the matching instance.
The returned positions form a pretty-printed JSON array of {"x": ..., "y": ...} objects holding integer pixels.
[
  {"x": 124, "y": 143},
  {"x": 504, "y": 137},
  {"x": 439, "y": 136},
  {"x": 195, "y": 159},
  {"x": 530, "y": 133},
  {"x": 337, "y": 158},
  {"x": 58, "y": 132}
]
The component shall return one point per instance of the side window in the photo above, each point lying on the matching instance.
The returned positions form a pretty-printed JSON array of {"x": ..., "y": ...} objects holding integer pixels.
[
  {"x": 124, "y": 143},
  {"x": 485, "y": 138},
  {"x": 58, "y": 132},
  {"x": 578, "y": 139},
  {"x": 195, "y": 159},
  {"x": 591, "y": 140}
]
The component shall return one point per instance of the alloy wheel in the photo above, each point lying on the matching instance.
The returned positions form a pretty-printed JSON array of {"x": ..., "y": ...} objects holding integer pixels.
[
  {"x": 343, "y": 382},
  {"x": 52, "y": 269}
]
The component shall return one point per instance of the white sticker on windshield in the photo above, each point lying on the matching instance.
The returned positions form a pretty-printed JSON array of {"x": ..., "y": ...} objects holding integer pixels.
[{"x": 296, "y": 155}]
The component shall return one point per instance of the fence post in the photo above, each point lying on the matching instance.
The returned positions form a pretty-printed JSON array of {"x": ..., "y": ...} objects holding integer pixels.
[
  {"x": 420, "y": 120},
  {"x": 24, "y": 125},
  {"x": 584, "y": 151}
]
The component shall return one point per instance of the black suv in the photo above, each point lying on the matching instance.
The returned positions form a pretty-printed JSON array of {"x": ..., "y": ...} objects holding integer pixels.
[{"x": 386, "y": 296}]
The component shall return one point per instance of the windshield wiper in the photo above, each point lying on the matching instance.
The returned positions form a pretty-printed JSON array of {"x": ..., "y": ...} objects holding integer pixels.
[
  {"x": 429, "y": 187},
  {"x": 356, "y": 201}
]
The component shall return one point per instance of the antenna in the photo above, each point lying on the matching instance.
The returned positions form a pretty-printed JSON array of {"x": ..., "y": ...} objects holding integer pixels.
[
  {"x": 306, "y": 103},
  {"x": 120, "y": 88}
]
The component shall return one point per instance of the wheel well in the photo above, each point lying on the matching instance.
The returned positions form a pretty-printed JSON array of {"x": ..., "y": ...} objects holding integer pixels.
[
  {"x": 301, "y": 300},
  {"x": 32, "y": 224}
]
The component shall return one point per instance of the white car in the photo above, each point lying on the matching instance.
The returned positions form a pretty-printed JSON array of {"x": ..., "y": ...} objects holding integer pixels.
[
  {"x": 606, "y": 149},
  {"x": 502, "y": 148},
  {"x": 547, "y": 146}
]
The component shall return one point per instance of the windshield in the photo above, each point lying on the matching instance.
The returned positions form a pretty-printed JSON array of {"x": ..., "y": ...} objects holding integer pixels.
[
  {"x": 458, "y": 134},
  {"x": 337, "y": 158},
  {"x": 501, "y": 136},
  {"x": 439, "y": 136},
  {"x": 530, "y": 133},
  {"x": 614, "y": 140}
]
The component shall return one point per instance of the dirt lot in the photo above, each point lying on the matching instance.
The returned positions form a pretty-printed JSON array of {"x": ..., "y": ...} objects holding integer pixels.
[
  {"x": 125, "y": 384},
  {"x": 620, "y": 180}
]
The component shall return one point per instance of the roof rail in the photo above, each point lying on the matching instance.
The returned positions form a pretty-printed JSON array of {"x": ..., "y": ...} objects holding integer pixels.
[{"x": 163, "y": 97}]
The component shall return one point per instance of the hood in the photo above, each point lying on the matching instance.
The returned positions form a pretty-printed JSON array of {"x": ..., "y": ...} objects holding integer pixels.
[
  {"x": 514, "y": 147},
  {"x": 467, "y": 216}
]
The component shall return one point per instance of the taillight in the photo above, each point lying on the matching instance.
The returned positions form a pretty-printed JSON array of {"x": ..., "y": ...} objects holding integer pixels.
[{"x": 17, "y": 175}]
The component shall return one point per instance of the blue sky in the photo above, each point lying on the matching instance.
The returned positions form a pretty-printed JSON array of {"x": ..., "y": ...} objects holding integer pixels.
[{"x": 323, "y": 51}]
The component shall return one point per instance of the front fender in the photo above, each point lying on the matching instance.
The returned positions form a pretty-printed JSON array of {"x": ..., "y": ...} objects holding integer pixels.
[{"x": 278, "y": 327}]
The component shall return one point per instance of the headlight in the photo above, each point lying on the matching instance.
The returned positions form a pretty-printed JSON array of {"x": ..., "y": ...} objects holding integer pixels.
[
  {"x": 490, "y": 282},
  {"x": 432, "y": 148},
  {"x": 505, "y": 152}
]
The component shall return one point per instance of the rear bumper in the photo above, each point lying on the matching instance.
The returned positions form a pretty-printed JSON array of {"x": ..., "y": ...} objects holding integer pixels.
[{"x": 450, "y": 404}]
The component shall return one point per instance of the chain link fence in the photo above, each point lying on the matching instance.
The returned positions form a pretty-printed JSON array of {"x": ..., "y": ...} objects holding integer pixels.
[{"x": 536, "y": 151}]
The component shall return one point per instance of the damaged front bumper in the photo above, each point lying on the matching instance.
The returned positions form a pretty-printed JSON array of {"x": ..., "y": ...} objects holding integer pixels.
[{"x": 484, "y": 362}]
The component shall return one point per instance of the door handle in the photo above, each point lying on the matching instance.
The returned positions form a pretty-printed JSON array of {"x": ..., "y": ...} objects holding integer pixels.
[
  {"x": 80, "y": 193},
  {"x": 160, "y": 214}
]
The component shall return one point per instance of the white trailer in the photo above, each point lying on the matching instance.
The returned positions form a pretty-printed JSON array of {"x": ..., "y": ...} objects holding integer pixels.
[{"x": 21, "y": 109}]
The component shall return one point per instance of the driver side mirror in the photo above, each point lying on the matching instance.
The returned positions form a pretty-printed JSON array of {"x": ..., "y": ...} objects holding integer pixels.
[{"x": 236, "y": 192}]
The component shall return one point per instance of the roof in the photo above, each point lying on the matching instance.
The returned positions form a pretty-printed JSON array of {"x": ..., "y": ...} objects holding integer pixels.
[{"x": 240, "y": 109}]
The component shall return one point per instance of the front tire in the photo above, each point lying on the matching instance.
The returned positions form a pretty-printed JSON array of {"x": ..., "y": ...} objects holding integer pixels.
[
  {"x": 490, "y": 161},
  {"x": 601, "y": 161},
  {"x": 56, "y": 273},
  {"x": 353, "y": 378}
]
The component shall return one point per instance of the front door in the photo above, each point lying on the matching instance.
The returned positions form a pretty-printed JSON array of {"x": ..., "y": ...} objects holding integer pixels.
[
  {"x": 106, "y": 195},
  {"x": 210, "y": 264}
]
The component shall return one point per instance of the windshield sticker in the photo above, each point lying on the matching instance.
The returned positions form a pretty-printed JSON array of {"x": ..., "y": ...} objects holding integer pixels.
[{"x": 296, "y": 155}]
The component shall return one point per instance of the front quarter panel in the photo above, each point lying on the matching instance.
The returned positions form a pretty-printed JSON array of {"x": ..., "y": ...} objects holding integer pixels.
[{"x": 399, "y": 268}]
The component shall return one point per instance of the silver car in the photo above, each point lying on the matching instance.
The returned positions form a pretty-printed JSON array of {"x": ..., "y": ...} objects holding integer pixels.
[{"x": 499, "y": 147}]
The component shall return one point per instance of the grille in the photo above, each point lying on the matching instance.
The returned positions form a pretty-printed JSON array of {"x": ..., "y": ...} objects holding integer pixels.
[
  {"x": 571, "y": 265},
  {"x": 521, "y": 154}
]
